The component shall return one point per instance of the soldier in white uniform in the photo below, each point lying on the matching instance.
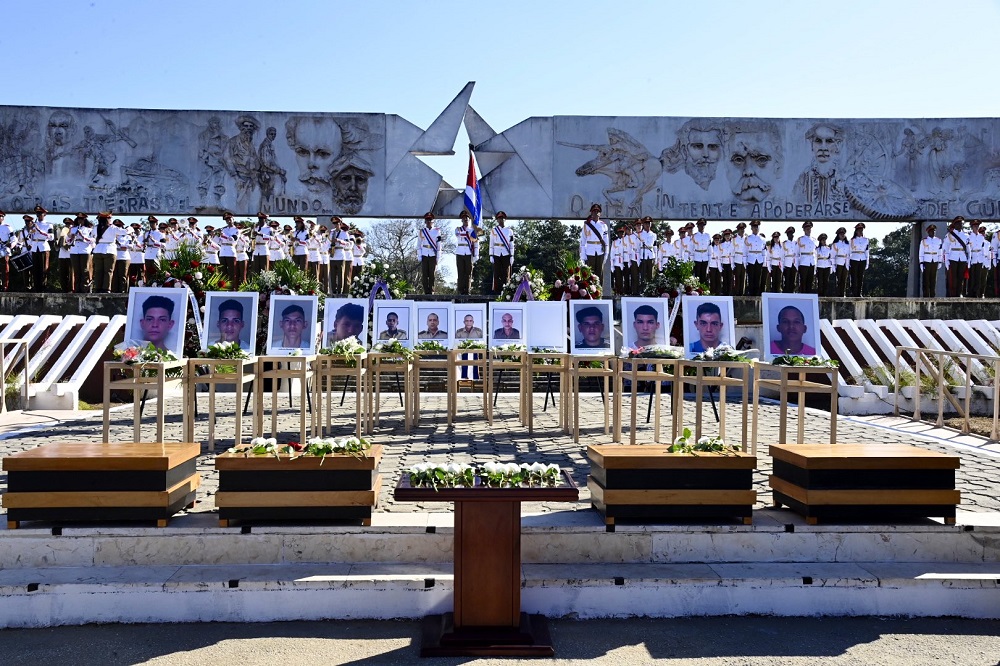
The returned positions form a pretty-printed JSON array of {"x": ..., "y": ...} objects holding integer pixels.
[
  {"x": 755, "y": 252},
  {"x": 930, "y": 260},
  {"x": 700, "y": 243},
  {"x": 618, "y": 263},
  {"x": 740, "y": 260},
  {"x": 501, "y": 251},
  {"x": 859, "y": 260},
  {"x": 594, "y": 242},
  {"x": 681, "y": 245},
  {"x": 428, "y": 251},
  {"x": 805, "y": 258},
  {"x": 666, "y": 250},
  {"x": 41, "y": 235},
  {"x": 647, "y": 252},
  {"x": 466, "y": 252},
  {"x": 726, "y": 251},
  {"x": 979, "y": 250},
  {"x": 788, "y": 269},
  {"x": 841, "y": 257},
  {"x": 824, "y": 263},
  {"x": 261, "y": 238},
  {"x": 775, "y": 261}
]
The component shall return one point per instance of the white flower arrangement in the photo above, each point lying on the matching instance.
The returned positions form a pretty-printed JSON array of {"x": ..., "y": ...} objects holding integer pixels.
[
  {"x": 490, "y": 475},
  {"x": 721, "y": 353}
]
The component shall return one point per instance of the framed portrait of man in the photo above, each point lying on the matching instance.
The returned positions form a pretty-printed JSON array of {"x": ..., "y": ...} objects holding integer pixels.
[
  {"x": 392, "y": 319},
  {"x": 644, "y": 322},
  {"x": 345, "y": 318},
  {"x": 592, "y": 327},
  {"x": 432, "y": 323},
  {"x": 508, "y": 324},
  {"x": 468, "y": 322},
  {"x": 292, "y": 324},
  {"x": 552, "y": 336},
  {"x": 157, "y": 315},
  {"x": 708, "y": 323},
  {"x": 791, "y": 325},
  {"x": 231, "y": 317}
]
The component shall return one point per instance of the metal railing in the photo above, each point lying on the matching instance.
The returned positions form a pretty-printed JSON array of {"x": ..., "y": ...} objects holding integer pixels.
[{"x": 935, "y": 365}]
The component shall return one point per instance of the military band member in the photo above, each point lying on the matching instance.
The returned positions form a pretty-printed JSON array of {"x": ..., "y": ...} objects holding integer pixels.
[
  {"x": 755, "y": 250},
  {"x": 6, "y": 241},
  {"x": 241, "y": 248},
  {"x": 323, "y": 268},
  {"x": 41, "y": 235},
  {"x": 979, "y": 249},
  {"x": 930, "y": 260},
  {"x": 65, "y": 243},
  {"x": 275, "y": 244},
  {"x": 261, "y": 239},
  {"x": 775, "y": 261},
  {"x": 995, "y": 256},
  {"x": 789, "y": 271},
  {"x": 805, "y": 258},
  {"x": 618, "y": 262},
  {"x": 740, "y": 260},
  {"x": 714, "y": 259},
  {"x": 428, "y": 250},
  {"x": 300, "y": 243},
  {"x": 123, "y": 258},
  {"x": 681, "y": 245},
  {"x": 104, "y": 253},
  {"x": 666, "y": 249},
  {"x": 841, "y": 258},
  {"x": 824, "y": 263},
  {"x": 631, "y": 260},
  {"x": 340, "y": 245},
  {"x": 137, "y": 255},
  {"x": 466, "y": 252},
  {"x": 501, "y": 251},
  {"x": 80, "y": 253},
  {"x": 210, "y": 246},
  {"x": 859, "y": 260},
  {"x": 227, "y": 246},
  {"x": 358, "y": 253},
  {"x": 700, "y": 244}
]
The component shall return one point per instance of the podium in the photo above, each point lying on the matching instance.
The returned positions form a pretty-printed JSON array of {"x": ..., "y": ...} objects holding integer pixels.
[{"x": 487, "y": 618}]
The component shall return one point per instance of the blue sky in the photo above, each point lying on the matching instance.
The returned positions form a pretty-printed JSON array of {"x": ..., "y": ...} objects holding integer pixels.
[{"x": 539, "y": 58}]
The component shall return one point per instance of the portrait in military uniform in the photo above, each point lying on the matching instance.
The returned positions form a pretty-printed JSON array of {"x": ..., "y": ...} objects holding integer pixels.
[
  {"x": 592, "y": 326},
  {"x": 392, "y": 319},
  {"x": 432, "y": 321},
  {"x": 469, "y": 322},
  {"x": 508, "y": 324}
]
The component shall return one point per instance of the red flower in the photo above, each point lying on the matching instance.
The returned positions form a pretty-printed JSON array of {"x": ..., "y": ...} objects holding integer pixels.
[
  {"x": 223, "y": 284},
  {"x": 211, "y": 268},
  {"x": 312, "y": 292},
  {"x": 296, "y": 446},
  {"x": 174, "y": 264},
  {"x": 673, "y": 293},
  {"x": 195, "y": 264},
  {"x": 188, "y": 278}
]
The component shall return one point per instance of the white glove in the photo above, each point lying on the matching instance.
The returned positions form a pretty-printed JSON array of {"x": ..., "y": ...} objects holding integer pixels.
[
  {"x": 512, "y": 260},
  {"x": 492, "y": 259}
]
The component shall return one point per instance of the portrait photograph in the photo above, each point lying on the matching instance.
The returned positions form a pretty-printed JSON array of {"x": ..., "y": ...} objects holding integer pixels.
[
  {"x": 292, "y": 325},
  {"x": 592, "y": 327},
  {"x": 507, "y": 324},
  {"x": 708, "y": 323},
  {"x": 468, "y": 322},
  {"x": 157, "y": 315},
  {"x": 231, "y": 317},
  {"x": 391, "y": 319},
  {"x": 644, "y": 322},
  {"x": 791, "y": 325},
  {"x": 553, "y": 334},
  {"x": 432, "y": 322},
  {"x": 344, "y": 318}
]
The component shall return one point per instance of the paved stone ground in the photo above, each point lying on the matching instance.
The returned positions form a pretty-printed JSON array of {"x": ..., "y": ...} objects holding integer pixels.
[{"x": 472, "y": 440}]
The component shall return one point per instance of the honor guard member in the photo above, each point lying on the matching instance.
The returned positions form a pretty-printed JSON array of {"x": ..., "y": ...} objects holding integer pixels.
[
  {"x": 136, "y": 254},
  {"x": 64, "y": 243},
  {"x": 358, "y": 252},
  {"x": 152, "y": 243},
  {"x": 341, "y": 245},
  {"x": 323, "y": 237},
  {"x": 171, "y": 240},
  {"x": 689, "y": 242},
  {"x": 227, "y": 247},
  {"x": 714, "y": 264},
  {"x": 105, "y": 253},
  {"x": 740, "y": 260},
  {"x": 979, "y": 249},
  {"x": 300, "y": 243},
  {"x": 501, "y": 251},
  {"x": 755, "y": 253},
  {"x": 594, "y": 242},
  {"x": 41, "y": 234},
  {"x": 466, "y": 252},
  {"x": 428, "y": 250},
  {"x": 210, "y": 246},
  {"x": 700, "y": 244},
  {"x": 805, "y": 258},
  {"x": 841, "y": 258},
  {"x": 617, "y": 262},
  {"x": 930, "y": 259},
  {"x": 631, "y": 260},
  {"x": 859, "y": 260},
  {"x": 647, "y": 248},
  {"x": 995, "y": 259},
  {"x": 775, "y": 261},
  {"x": 123, "y": 258},
  {"x": 824, "y": 264},
  {"x": 681, "y": 245},
  {"x": 312, "y": 251},
  {"x": 261, "y": 237},
  {"x": 726, "y": 251},
  {"x": 242, "y": 250},
  {"x": 275, "y": 244},
  {"x": 666, "y": 249},
  {"x": 955, "y": 249},
  {"x": 789, "y": 271}
]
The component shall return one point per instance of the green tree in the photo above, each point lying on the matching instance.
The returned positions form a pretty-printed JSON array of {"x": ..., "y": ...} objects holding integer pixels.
[{"x": 889, "y": 267}]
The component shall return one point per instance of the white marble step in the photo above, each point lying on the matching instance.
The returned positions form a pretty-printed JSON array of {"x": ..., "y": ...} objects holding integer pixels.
[{"x": 80, "y": 595}]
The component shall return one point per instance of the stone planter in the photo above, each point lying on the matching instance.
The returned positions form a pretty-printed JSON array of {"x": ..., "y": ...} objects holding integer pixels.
[
  {"x": 644, "y": 483},
  {"x": 279, "y": 488}
]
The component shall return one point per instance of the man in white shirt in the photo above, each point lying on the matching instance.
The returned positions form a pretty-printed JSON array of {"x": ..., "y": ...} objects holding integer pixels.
[
  {"x": 841, "y": 258},
  {"x": 340, "y": 244},
  {"x": 79, "y": 254},
  {"x": 501, "y": 251},
  {"x": 466, "y": 252},
  {"x": 6, "y": 239},
  {"x": 859, "y": 260},
  {"x": 739, "y": 260},
  {"x": 700, "y": 244},
  {"x": 666, "y": 250},
  {"x": 930, "y": 260},
  {"x": 105, "y": 253},
  {"x": 647, "y": 253},
  {"x": 227, "y": 247},
  {"x": 428, "y": 251},
  {"x": 755, "y": 253},
  {"x": 152, "y": 241},
  {"x": 41, "y": 235},
  {"x": 119, "y": 275},
  {"x": 979, "y": 250},
  {"x": 261, "y": 238},
  {"x": 788, "y": 267}
]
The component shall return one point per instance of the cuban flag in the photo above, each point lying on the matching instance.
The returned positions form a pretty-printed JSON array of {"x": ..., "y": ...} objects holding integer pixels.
[{"x": 472, "y": 199}]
